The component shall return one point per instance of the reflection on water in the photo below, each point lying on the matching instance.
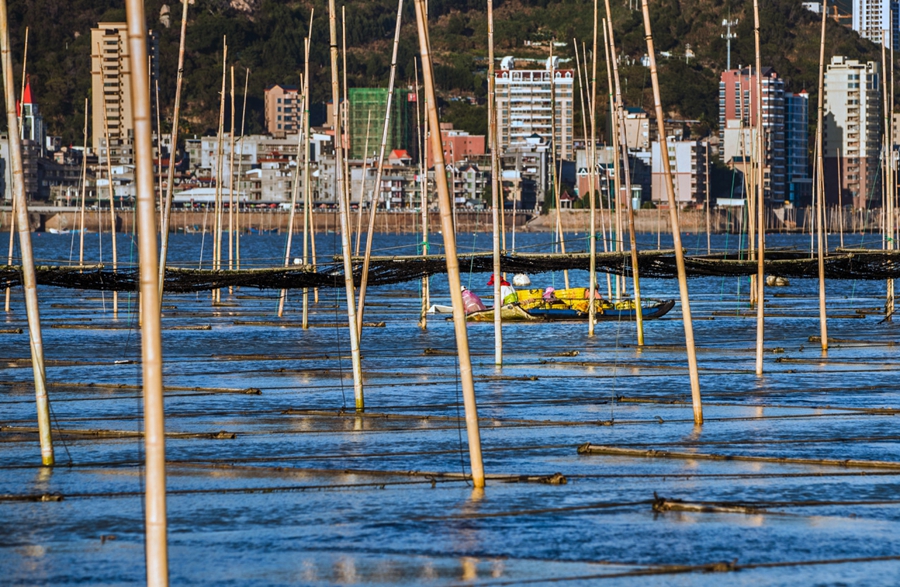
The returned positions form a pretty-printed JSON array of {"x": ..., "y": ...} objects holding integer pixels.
[{"x": 314, "y": 496}]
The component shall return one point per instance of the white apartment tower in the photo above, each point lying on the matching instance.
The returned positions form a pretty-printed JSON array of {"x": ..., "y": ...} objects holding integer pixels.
[
  {"x": 853, "y": 125},
  {"x": 873, "y": 19},
  {"x": 525, "y": 100}
]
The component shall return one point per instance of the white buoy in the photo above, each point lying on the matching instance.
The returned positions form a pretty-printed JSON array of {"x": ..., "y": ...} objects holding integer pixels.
[{"x": 521, "y": 280}]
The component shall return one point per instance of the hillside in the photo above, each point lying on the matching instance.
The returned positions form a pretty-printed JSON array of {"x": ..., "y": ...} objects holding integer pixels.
[{"x": 267, "y": 37}]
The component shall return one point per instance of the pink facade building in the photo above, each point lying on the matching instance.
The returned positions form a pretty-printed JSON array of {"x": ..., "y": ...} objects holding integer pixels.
[{"x": 458, "y": 145}]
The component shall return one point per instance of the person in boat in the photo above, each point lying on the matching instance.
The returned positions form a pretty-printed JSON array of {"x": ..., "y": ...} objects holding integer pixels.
[
  {"x": 472, "y": 302},
  {"x": 550, "y": 295},
  {"x": 507, "y": 293}
]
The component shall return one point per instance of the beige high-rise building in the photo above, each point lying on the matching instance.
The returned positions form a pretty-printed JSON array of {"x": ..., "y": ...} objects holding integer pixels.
[
  {"x": 525, "y": 103},
  {"x": 111, "y": 89}
]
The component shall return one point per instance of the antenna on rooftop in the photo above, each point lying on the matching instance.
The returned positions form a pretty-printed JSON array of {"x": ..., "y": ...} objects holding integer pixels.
[{"x": 727, "y": 23}]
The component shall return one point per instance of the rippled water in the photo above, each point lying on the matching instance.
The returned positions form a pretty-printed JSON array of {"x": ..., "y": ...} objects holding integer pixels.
[{"x": 307, "y": 493}]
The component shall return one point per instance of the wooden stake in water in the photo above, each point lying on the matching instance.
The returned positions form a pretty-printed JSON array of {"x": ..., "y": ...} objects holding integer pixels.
[
  {"x": 676, "y": 230},
  {"x": 423, "y": 197},
  {"x": 626, "y": 176},
  {"x": 112, "y": 201},
  {"x": 459, "y": 312},
  {"x": 295, "y": 190},
  {"x": 760, "y": 201},
  {"x": 240, "y": 175},
  {"x": 495, "y": 190},
  {"x": 378, "y": 174},
  {"x": 307, "y": 190},
  {"x": 888, "y": 192},
  {"x": 344, "y": 204},
  {"x": 83, "y": 186},
  {"x": 28, "y": 274},
  {"x": 170, "y": 177},
  {"x": 231, "y": 182},
  {"x": 151, "y": 340},
  {"x": 217, "y": 239},
  {"x": 820, "y": 190}
]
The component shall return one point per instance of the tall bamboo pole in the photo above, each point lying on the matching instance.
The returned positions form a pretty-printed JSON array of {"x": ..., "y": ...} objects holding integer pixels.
[
  {"x": 240, "y": 173},
  {"x": 840, "y": 184},
  {"x": 84, "y": 153},
  {"x": 708, "y": 194},
  {"x": 376, "y": 192},
  {"x": 676, "y": 230},
  {"x": 151, "y": 344},
  {"x": 888, "y": 199},
  {"x": 112, "y": 200},
  {"x": 25, "y": 250},
  {"x": 760, "y": 201},
  {"x": 231, "y": 181},
  {"x": 345, "y": 117},
  {"x": 345, "y": 222},
  {"x": 494, "y": 145},
  {"x": 423, "y": 196},
  {"x": 626, "y": 172},
  {"x": 459, "y": 313},
  {"x": 170, "y": 177},
  {"x": 615, "y": 194},
  {"x": 307, "y": 189},
  {"x": 591, "y": 156},
  {"x": 12, "y": 214},
  {"x": 362, "y": 185},
  {"x": 295, "y": 191},
  {"x": 217, "y": 239},
  {"x": 820, "y": 189},
  {"x": 555, "y": 175}
]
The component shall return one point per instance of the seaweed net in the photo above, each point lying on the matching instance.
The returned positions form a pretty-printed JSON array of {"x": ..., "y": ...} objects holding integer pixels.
[{"x": 842, "y": 264}]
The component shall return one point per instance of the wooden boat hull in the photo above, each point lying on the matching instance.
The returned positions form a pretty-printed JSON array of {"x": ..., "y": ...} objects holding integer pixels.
[{"x": 515, "y": 313}]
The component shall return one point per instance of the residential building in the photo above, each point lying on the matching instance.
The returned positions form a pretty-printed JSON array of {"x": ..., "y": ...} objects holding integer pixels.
[
  {"x": 687, "y": 162},
  {"x": 796, "y": 125},
  {"x": 111, "y": 89},
  {"x": 535, "y": 102},
  {"x": 283, "y": 110},
  {"x": 458, "y": 145},
  {"x": 366, "y": 118},
  {"x": 852, "y": 135},
  {"x": 876, "y": 20},
  {"x": 738, "y": 107}
]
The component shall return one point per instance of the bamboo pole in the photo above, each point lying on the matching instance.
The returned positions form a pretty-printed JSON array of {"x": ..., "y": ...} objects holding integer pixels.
[
  {"x": 362, "y": 184},
  {"x": 708, "y": 194},
  {"x": 376, "y": 192},
  {"x": 495, "y": 191},
  {"x": 295, "y": 191},
  {"x": 555, "y": 175},
  {"x": 820, "y": 190},
  {"x": 423, "y": 195},
  {"x": 84, "y": 153},
  {"x": 240, "y": 174},
  {"x": 591, "y": 156},
  {"x": 170, "y": 177},
  {"x": 307, "y": 189},
  {"x": 231, "y": 182},
  {"x": 112, "y": 201},
  {"x": 217, "y": 239},
  {"x": 459, "y": 314},
  {"x": 626, "y": 172},
  {"x": 676, "y": 231},
  {"x": 888, "y": 241},
  {"x": 345, "y": 235},
  {"x": 345, "y": 117},
  {"x": 840, "y": 197},
  {"x": 27, "y": 255},
  {"x": 760, "y": 201},
  {"x": 151, "y": 344}
]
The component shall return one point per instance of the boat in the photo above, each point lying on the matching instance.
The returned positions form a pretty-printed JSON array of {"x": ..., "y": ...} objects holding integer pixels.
[{"x": 572, "y": 304}]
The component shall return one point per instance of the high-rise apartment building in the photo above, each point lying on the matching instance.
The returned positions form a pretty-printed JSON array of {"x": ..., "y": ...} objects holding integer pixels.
[
  {"x": 111, "y": 89},
  {"x": 526, "y": 100},
  {"x": 284, "y": 110},
  {"x": 796, "y": 139},
  {"x": 877, "y": 19},
  {"x": 366, "y": 117},
  {"x": 739, "y": 103},
  {"x": 852, "y": 136}
]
